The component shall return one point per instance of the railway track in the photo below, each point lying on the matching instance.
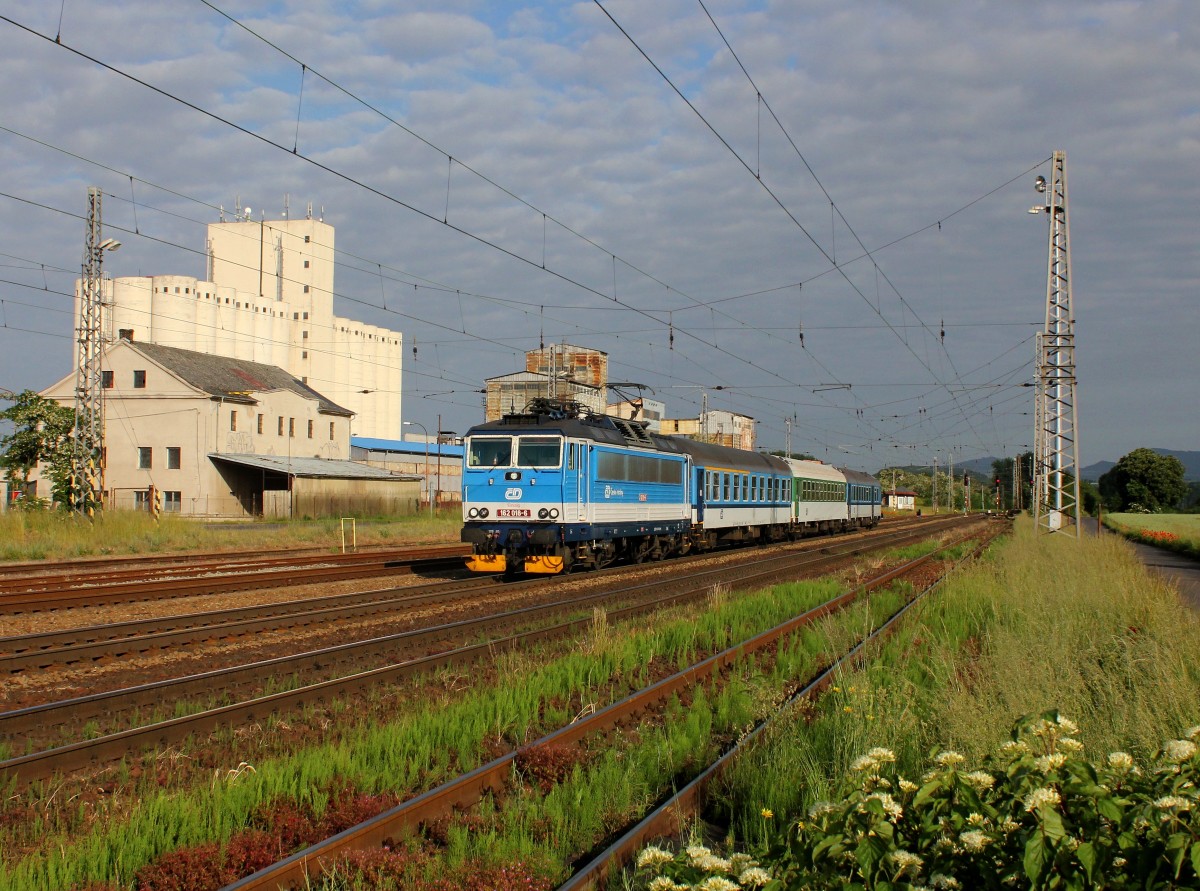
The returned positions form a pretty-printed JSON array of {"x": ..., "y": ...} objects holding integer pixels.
[
  {"x": 302, "y": 868},
  {"x": 116, "y": 640},
  {"x": 363, "y": 665},
  {"x": 209, "y": 574}
]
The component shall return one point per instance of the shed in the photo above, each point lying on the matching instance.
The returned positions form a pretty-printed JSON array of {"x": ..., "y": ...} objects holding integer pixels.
[{"x": 316, "y": 487}]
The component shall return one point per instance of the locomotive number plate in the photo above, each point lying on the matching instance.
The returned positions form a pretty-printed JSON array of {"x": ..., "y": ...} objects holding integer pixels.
[{"x": 510, "y": 512}]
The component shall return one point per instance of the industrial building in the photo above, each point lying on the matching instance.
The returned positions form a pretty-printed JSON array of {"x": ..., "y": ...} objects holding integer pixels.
[{"x": 267, "y": 298}]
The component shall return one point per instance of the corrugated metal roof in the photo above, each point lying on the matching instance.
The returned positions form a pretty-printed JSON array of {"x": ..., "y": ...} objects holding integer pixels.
[
  {"x": 310, "y": 467},
  {"x": 231, "y": 379}
]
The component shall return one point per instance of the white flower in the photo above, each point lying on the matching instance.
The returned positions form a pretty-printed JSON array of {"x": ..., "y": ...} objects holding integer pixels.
[
  {"x": 1070, "y": 746},
  {"x": 1014, "y": 749},
  {"x": 907, "y": 785},
  {"x": 1050, "y": 762},
  {"x": 1008, "y": 827},
  {"x": 1043, "y": 797},
  {"x": 754, "y": 877},
  {"x": 663, "y": 883},
  {"x": 1067, "y": 726},
  {"x": 1172, "y": 803},
  {"x": 882, "y": 756},
  {"x": 975, "y": 819},
  {"x": 890, "y": 806},
  {"x": 653, "y": 857},
  {"x": 1179, "y": 750},
  {"x": 949, "y": 759},
  {"x": 711, "y": 863},
  {"x": 973, "y": 840},
  {"x": 941, "y": 881},
  {"x": 863, "y": 762},
  {"x": 717, "y": 883},
  {"x": 1118, "y": 862},
  {"x": 1192, "y": 732},
  {"x": 696, "y": 852},
  {"x": 980, "y": 779},
  {"x": 906, "y": 862},
  {"x": 1121, "y": 761},
  {"x": 739, "y": 862},
  {"x": 821, "y": 808}
]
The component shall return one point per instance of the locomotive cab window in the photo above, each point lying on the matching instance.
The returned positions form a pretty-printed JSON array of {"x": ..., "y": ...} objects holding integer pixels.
[
  {"x": 539, "y": 451},
  {"x": 489, "y": 451}
]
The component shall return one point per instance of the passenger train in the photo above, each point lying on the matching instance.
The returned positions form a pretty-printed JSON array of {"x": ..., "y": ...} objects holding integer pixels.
[{"x": 558, "y": 487}]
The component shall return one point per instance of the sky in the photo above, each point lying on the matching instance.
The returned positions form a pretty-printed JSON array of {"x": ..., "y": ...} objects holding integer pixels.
[{"x": 815, "y": 214}]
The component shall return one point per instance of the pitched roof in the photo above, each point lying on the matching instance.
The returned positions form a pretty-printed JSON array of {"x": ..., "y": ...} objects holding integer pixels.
[{"x": 231, "y": 379}]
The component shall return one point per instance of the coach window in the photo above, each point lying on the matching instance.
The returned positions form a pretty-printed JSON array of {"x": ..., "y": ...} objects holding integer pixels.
[
  {"x": 489, "y": 452},
  {"x": 737, "y": 487},
  {"x": 571, "y": 457},
  {"x": 725, "y": 484},
  {"x": 539, "y": 451}
]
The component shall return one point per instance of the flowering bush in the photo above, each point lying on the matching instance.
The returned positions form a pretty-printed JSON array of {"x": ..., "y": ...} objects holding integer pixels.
[
  {"x": 1036, "y": 814},
  {"x": 1157, "y": 536}
]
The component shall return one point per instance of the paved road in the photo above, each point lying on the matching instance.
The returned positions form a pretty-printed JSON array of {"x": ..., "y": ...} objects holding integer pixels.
[{"x": 1181, "y": 571}]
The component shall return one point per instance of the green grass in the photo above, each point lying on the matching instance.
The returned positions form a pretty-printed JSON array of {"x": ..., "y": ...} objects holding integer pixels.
[
  {"x": 58, "y": 535},
  {"x": 1176, "y": 532},
  {"x": 1048, "y": 622}
]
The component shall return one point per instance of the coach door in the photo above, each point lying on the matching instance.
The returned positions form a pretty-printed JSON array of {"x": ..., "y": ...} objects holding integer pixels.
[{"x": 577, "y": 480}]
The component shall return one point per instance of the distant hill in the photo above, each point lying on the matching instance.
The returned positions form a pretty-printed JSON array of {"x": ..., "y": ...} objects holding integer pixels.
[
  {"x": 982, "y": 467},
  {"x": 1191, "y": 465}
]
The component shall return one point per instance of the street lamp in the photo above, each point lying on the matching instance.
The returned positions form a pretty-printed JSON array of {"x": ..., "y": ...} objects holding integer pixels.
[{"x": 426, "y": 474}]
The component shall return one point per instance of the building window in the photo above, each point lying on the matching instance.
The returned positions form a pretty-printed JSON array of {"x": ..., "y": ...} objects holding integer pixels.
[
  {"x": 233, "y": 420},
  {"x": 126, "y": 333},
  {"x": 310, "y": 429},
  {"x": 174, "y": 453},
  {"x": 295, "y": 317},
  {"x": 304, "y": 354},
  {"x": 306, "y": 289},
  {"x": 291, "y": 427},
  {"x": 306, "y": 314},
  {"x": 141, "y": 499},
  {"x": 304, "y": 335},
  {"x": 306, "y": 237},
  {"x": 281, "y": 425},
  {"x": 106, "y": 380},
  {"x": 305, "y": 264},
  {"x": 145, "y": 458},
  {"x": 331, "y": 431},
  {"x": 172, "y": 502},
  {"x": 260, "y": 423},
  {"x": 139, "y": 380}
]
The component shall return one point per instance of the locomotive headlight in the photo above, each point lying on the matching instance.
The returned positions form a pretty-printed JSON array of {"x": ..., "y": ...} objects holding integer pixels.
[
  {"x": 473, "y": 513},
  {"x": 554, "y": 513},
  {"x": 483, "y": 512},
  {"x": 543, "y": 513}
]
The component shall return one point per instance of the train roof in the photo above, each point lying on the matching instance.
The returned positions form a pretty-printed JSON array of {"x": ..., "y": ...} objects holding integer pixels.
[
  {"x": 572, "y": 421},
  {"x": 857, "y": 476}
]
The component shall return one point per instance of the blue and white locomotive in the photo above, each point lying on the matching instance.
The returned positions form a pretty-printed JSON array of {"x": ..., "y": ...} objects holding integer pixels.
[{"x": 558, "y": 487}]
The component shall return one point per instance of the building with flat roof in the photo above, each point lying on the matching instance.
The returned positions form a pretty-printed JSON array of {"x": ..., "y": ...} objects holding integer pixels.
[{"x": 267, "y": 298}]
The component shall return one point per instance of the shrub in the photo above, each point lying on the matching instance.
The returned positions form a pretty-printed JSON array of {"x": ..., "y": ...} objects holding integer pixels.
[{"x": 1037, "y": 814}]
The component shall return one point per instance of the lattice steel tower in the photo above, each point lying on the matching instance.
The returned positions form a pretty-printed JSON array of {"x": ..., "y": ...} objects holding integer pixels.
[
  {"x": 1056, "y": 434},
  {"x": 87, "y": 453}
]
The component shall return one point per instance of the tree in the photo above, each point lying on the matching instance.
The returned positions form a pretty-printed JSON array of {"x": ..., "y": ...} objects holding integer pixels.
[
  {"x": 1143, "y": 478},
  {"x": 41, "y": 432}
]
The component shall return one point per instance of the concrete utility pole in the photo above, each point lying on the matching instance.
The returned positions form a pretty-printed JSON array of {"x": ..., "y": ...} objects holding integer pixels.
[
  {"x": 1056, "y": 458},
  {"x": 87, "y": 447},
  {"x": 934, "y": 497}
]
